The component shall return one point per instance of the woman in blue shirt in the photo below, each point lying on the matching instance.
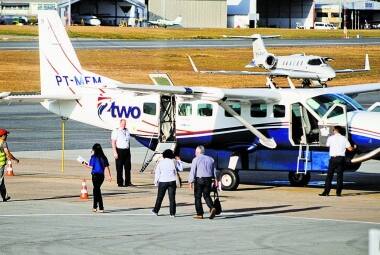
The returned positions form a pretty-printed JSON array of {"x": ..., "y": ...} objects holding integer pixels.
[{"x": 98, "y": 163}]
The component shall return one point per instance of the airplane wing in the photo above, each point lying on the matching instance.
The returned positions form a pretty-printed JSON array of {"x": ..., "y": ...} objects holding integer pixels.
[
  {"x": 366, "y": 68},
  {"x": 195, "y": 69},
  {"x": 6, "y": 96},
  {"x": 352, "y": 89},
  {"x": 206, "y": 93}
]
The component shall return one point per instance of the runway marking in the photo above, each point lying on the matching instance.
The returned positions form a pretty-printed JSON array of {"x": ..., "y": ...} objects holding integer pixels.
[{"x": 149, "y": 214}]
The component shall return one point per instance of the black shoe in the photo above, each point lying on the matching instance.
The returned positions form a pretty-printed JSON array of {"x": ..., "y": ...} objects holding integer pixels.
[
  {"x": 323, "y": 194},
  {"x": 120, "y": 185},
  {"x": 6, "y": 198},
  {"x": 212, "y": 213},
  {"x": 338, "y": 194}
]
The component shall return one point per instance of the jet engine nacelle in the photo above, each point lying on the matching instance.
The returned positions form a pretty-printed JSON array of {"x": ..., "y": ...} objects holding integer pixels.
[{"x": 270, "y": 62}]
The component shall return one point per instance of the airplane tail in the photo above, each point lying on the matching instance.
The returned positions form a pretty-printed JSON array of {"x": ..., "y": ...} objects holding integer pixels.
[
  {"x": 177, "y": 20},
  {"x": 259, "y": 51},
  {"x": 59, "y": 64}
]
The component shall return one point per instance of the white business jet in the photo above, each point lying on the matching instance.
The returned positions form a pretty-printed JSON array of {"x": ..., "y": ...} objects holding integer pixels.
[
  {"x": 166, "y": 23},
  {"x": 307, "y": 68},
  {"x": 256, "y": 129}
]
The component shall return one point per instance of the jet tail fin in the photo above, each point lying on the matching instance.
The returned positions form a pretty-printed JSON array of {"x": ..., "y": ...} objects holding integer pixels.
[
  {"x": 58, "y": 60},
  {"x": 178, "y": 20}
]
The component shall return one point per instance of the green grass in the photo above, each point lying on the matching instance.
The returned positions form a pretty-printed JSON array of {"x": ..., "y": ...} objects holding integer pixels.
[{"x": 184, "y": 33}]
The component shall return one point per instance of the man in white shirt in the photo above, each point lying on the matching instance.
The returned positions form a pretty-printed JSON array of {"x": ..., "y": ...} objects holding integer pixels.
[
  {"x": 338, "y": 145},
  {"x": 120, "y": 147}
]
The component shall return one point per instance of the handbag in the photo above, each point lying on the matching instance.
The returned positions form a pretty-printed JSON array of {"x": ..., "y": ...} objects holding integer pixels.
[
  {"x": 217, "y": 204},
  {"x": 178, "y": 180}
]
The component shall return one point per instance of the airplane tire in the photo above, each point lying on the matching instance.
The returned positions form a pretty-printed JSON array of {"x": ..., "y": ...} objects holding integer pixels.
[
  {"x": 230, "y": 179},
  {"x": 299, "y": 180}
]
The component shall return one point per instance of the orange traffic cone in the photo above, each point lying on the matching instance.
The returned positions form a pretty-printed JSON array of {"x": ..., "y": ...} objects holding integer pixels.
[
  {"x": 83, "y": 191},
  {"x": 9, "y": 170}
]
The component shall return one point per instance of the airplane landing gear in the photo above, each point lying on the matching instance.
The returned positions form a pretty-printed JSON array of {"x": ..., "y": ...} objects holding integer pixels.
[
  {"x": 230, "y": 179},
  {"x": 299, "y": 180},
  {"x": 306, "y": 83}
]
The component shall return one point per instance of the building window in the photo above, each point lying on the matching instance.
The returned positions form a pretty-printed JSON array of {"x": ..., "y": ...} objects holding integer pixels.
[
  {"x": 236, "y": 107},
  {"x": 278, "y": 111},
  {"x": 204, "y": 109},
  {"x": 185, "y": 109},
  {"x": 259, "y": 110},
  {"x": 47, "y": 6},
  {"x": 149, "y": 108}
]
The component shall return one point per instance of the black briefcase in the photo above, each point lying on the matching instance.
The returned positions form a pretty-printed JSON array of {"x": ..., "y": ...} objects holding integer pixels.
[{"x": 217, "y": 204}]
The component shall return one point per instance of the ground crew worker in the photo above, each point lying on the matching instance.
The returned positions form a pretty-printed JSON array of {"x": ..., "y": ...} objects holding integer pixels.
[
  {"x": 121, "y": 150},
  {"x": 200, "y": 178},
  {"x": 5, "y": 155},
  {"x": 338, "y": 145}
]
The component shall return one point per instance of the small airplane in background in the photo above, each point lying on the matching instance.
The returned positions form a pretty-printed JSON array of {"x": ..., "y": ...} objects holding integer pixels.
[
  {"x": 261, "y": 129},
  {"x": 166, "y": 23},
  {"x": 307, "y": 68}
]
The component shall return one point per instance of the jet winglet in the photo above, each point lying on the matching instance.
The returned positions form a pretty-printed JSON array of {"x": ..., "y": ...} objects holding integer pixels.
[
  {"x": 193, "y": 64},
  {"x": 366, "y": 64}
]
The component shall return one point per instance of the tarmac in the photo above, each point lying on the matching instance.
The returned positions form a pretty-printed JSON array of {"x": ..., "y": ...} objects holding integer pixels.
[{"x": 264, "y": 216}]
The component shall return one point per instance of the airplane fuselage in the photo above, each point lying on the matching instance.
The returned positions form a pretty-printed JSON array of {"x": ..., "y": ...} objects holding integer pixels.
[{"x": 202, "y": 122}]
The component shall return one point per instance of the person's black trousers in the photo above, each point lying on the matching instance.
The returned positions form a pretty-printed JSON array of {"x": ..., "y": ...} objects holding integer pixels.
[
  {"x": 336, "y": 164},
  {"x": 3, "y": 190},
  {"x": 171, "y": 188},
  {"x": 97, "y": 181},
  {"x": 202, "y": 186},
  {"x": 123, "y": 162}
]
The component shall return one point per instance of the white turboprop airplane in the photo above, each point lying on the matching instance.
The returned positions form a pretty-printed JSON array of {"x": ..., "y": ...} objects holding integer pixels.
[
  {"x": 254, "y": 129},
  {"x": 303, "y": 67},
  {"x": 166, "y": 23}
]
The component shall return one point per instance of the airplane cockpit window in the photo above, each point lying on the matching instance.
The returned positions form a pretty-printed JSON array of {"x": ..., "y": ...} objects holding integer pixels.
[
  {"x": 321, "y": 104},
  {"x": 236, "y": 107},
  {"x": 315, "y": 62},
  {"x": 149, "y": 108},
  {"x": 185, "y": 109},
  {"x": 204, "y": 109},
  {"x": 259, "y": 110},
  {"x": 278, "y": 111}
]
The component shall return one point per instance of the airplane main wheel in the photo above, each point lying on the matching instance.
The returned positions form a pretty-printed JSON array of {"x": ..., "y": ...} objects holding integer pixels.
[
  {"x": 299, "y": 180},
  {"x": 230, "y": 179}
]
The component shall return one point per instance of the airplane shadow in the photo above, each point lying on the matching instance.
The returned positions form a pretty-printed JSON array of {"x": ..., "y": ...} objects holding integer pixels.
[
  {"x": 251, "y": 213},
  {"x": 107, "y": 194}
]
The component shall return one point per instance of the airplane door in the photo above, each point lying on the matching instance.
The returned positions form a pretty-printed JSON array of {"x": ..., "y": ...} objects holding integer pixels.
[
  {"x": 335, "y": 116},
  {"x": 167, "y": 123},
  {"x": 304, "y": 126}
]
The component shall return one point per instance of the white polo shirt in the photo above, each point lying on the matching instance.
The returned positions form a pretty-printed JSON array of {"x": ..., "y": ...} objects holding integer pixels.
[
  {"x": 121, "y": 136},
  {"x": 338, "y": 145}
]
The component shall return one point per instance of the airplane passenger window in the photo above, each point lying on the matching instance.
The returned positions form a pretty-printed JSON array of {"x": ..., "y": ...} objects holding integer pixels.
[
  {"x": 185, "y": 110},
  {"x": 204, "y": 109},
  {"x": 278, "y": 111},
  {"x": 315, "y": 62},
  {"x": 149, "y": 108},
  {"x": 236, "y": 107},
  {"x": 259, "y": 110}
]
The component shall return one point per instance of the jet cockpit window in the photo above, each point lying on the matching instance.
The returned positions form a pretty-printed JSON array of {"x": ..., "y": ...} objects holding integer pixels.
[
  {"x": 236, "y": 107},
  {"x": 278, "y": 111},
  {"x": 149, "y": 108},
  {"x": 321, "y": 104},
  {"x": 315, "y": 62},
  {"x": 204, "y": 109},
  {"x": 185, "y": 109},
  {"x": 259, "y": 110}
]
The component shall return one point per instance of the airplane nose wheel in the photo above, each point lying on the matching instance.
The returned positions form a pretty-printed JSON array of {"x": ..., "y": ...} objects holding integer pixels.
[
  {"x": 229, "y": 179},
  {"x": 299, "y": 180}
]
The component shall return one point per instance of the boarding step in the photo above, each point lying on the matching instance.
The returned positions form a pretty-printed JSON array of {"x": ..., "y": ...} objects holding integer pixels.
[
  {"x": 303, "y": 156},
  {"x": 156, "y": 154}
]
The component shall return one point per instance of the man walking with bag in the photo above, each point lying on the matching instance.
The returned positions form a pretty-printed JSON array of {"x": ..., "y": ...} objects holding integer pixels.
[{"x": 201, "y": 178}]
